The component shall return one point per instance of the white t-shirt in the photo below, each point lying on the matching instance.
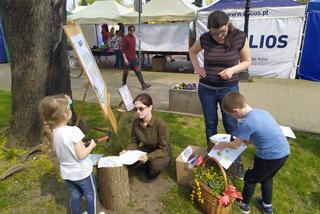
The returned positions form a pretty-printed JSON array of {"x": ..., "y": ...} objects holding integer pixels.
[{"x": 64, "y": 140}]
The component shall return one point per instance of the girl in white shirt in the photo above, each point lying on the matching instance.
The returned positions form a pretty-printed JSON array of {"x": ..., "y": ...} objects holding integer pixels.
[{"x": 75, "y": 165}]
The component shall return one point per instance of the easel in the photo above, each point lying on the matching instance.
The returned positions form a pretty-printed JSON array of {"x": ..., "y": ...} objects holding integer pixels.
[{"x": 89, "y": 65}]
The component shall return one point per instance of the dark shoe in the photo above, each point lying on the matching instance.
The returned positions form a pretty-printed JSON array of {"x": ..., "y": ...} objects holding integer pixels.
[
  {"x": 244, "y": 208},
  {"x": 265, "y": 210},
  {"x": 240, "y": 171},
  {"x": 146, "y": 86},
  {"x": 152, "y": 177}
]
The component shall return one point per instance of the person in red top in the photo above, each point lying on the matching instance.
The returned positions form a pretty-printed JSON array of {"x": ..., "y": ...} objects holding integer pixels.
[{"x": 130, "y": 59}]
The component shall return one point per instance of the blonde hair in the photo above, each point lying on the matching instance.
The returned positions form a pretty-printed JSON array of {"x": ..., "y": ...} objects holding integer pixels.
[
  {"x": 233, "y": 100},
  {"x": 52, "y": 110}
]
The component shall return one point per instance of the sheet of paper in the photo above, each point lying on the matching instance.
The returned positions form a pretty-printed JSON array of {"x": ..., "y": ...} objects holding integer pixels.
[
  {"x": 287, "y": 131},
  {"x": 94, "y": 158},
  {"x": 126, "y": 97},
  {"x": 186, "y": 153},
  {"x": 131, "y": 156},
  {"x": 91, "y": 68},
  {"x": 226, "y": 156},
  {"x": 111, "y": 161}
]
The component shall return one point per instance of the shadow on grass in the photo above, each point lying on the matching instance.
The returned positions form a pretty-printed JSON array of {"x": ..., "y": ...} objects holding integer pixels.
[
  {"x": 51, "y": 186},
  {"x": 310, "y": 142}
]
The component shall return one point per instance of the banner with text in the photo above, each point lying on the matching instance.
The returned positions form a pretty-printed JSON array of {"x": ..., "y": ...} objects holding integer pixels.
[{"x": 274, "y": 38}]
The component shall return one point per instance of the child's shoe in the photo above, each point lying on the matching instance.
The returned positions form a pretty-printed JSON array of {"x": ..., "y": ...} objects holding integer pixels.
[
  {"x": 245, "y": 208},
  {"x": 265, "y": 209}
]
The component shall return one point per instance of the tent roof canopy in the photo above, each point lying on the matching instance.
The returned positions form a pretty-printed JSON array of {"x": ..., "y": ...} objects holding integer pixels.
[
  {"x": 234, "y": 4},
  {"x": 163, "y": 11},
  {"x": 100, "y": 12},
  {"x": 314, "y": 6}
]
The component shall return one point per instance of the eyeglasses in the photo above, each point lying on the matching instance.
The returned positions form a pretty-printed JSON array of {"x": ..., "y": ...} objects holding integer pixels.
[
  {"x": 69, "y": 101},
  {"x": 219, "y": 33},
  {"x": 132, "y": 30},
  {"x": 141, "y": 109}
]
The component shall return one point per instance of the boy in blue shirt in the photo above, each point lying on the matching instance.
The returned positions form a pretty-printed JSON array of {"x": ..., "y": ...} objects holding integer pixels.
[{"x": 259, "y": 128}]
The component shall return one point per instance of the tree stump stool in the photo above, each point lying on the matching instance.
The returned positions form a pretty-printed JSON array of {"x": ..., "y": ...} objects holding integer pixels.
[{"x": 113, "y": 187}]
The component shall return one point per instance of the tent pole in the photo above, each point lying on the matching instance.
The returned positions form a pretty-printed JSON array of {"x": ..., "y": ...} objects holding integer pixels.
[
  {"x": 244, "y": 76},
  {"x": 139, "y": 60}
]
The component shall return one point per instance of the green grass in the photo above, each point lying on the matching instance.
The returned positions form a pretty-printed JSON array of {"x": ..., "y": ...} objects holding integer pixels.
[{"x": 40, "y": 189}]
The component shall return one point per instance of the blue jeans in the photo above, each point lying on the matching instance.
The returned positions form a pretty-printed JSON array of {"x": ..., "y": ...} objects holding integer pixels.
[
  {"x": 79, "y": 188},
  {"x": 210, "y": 98},
  {"x": 119, "y": 58}
]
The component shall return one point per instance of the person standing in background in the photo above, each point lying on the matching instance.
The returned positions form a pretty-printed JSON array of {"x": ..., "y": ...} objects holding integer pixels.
[
  {"x": 130, "y": 58},
  {"x": 226, "y": 54}
]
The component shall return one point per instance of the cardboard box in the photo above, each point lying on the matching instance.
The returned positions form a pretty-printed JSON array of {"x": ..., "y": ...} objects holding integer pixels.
[
  {"x": 159, "y": 63},
  {"x": 184, "y": 169}
]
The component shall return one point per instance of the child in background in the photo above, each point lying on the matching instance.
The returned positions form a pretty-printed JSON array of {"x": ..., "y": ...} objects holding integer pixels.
[
  {"x": 75, "y": 165},
  {"x": 272, "y": 149}
]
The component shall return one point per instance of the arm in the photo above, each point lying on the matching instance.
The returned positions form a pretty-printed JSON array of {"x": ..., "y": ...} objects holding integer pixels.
[
  {"x": 82, "y": 151},
  {"x": 232, "y": 145},
  {"x": 163, "y": 140},
  {"x": 134, "y": 138},
  {"x": 245, "y": 62},
  {"x": 194, "y": 50},
  {"x": 123, "y": 50}
]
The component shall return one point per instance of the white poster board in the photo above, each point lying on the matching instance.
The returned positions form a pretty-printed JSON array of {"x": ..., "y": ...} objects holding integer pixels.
[
  {"x": 126, "y": 97},
  {"x": 89, "y": 65}
]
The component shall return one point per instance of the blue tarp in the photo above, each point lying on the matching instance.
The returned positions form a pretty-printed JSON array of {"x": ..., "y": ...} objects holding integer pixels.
[
  {"x": 234, "y": 4},
  {"x": 3, "y": 55},
  {"x": 309, "y": 68}
]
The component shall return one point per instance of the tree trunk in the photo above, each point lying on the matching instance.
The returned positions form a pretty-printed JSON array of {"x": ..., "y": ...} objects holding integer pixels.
[
  {"x": 39, "y": 62},
  {"x": 113, "y": 183}
]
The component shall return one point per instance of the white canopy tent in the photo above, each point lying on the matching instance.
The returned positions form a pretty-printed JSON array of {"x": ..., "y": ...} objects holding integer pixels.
[
  {"x": 162, "y": 11},
  {"x": 101, "y": 12}
]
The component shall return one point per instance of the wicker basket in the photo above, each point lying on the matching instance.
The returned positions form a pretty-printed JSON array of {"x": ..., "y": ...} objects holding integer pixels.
[{"x": 211, "y": 202}]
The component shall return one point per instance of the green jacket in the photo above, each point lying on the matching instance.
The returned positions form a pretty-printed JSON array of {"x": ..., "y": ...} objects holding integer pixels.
[{"x": 153, "y": 139}]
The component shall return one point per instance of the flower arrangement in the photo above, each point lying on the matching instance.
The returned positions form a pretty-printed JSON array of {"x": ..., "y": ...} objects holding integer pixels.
[
  {"x": 186, "y": 86},
  {"x": 214, "y": 180},
  {"x": 211, "y": 178}
]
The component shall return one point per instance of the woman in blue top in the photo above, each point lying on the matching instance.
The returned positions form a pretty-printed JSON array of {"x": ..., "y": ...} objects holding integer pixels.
[{"x": 259, "y": 128}]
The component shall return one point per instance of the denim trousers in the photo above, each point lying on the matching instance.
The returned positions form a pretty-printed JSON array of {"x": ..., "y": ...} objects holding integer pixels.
[
  {"x": 79, "y": 188},
  {"x": 119, "y": 58},
  {"x": 210, "y": 98}
]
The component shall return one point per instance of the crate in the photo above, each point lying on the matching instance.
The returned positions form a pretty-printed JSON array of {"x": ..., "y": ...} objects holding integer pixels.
[{"x": 159, "y": 63}]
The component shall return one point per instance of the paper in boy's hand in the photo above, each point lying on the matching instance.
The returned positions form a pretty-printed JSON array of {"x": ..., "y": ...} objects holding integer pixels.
[{"x": 225, "y": 156}]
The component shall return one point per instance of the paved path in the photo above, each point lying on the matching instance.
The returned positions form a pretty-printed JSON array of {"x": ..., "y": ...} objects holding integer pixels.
[{"x": 294, "y": 103}]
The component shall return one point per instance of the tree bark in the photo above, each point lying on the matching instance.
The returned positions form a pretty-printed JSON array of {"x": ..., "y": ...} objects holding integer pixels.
[
  {"x": 39, "y": 62},
  {"x": 113, "y": 183}
]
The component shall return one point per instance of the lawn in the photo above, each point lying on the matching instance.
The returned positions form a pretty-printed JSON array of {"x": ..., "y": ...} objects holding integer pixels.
[{"x": 38, "y": 189}]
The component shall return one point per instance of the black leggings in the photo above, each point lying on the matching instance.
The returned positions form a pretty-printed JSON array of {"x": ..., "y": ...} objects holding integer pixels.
[{"x": 262, "y": 172}]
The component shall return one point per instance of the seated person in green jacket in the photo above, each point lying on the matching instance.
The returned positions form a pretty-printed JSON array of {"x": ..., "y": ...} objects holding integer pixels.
[{"x": 150, "y": 134}]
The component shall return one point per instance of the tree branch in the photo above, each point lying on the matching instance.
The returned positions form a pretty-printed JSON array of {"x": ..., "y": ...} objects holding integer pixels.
[{"x": 14, "y": 169}]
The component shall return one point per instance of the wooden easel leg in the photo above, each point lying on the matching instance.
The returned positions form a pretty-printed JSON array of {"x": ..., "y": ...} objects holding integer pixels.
[{"x": 83, "y": 102}]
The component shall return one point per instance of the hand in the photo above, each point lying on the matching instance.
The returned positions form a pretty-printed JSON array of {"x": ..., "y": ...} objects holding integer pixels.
[
  {"x": 226, "y": 74},
  {"x": 126, "y": 62},
  {"x": 220, "y": 146},
  {"x": 92, "y": 143},
  {"x": 122, "y": 152},
  {"x": 143, "y": 158},
  {"x": 201, "y": 72}
]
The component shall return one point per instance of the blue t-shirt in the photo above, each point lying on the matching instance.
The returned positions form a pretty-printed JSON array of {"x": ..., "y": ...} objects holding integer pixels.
[{"x": 261, "y": 129}]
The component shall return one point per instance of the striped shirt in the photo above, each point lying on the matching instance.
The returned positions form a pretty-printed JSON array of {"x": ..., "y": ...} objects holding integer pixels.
[{"x": 218, "y": 57}]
